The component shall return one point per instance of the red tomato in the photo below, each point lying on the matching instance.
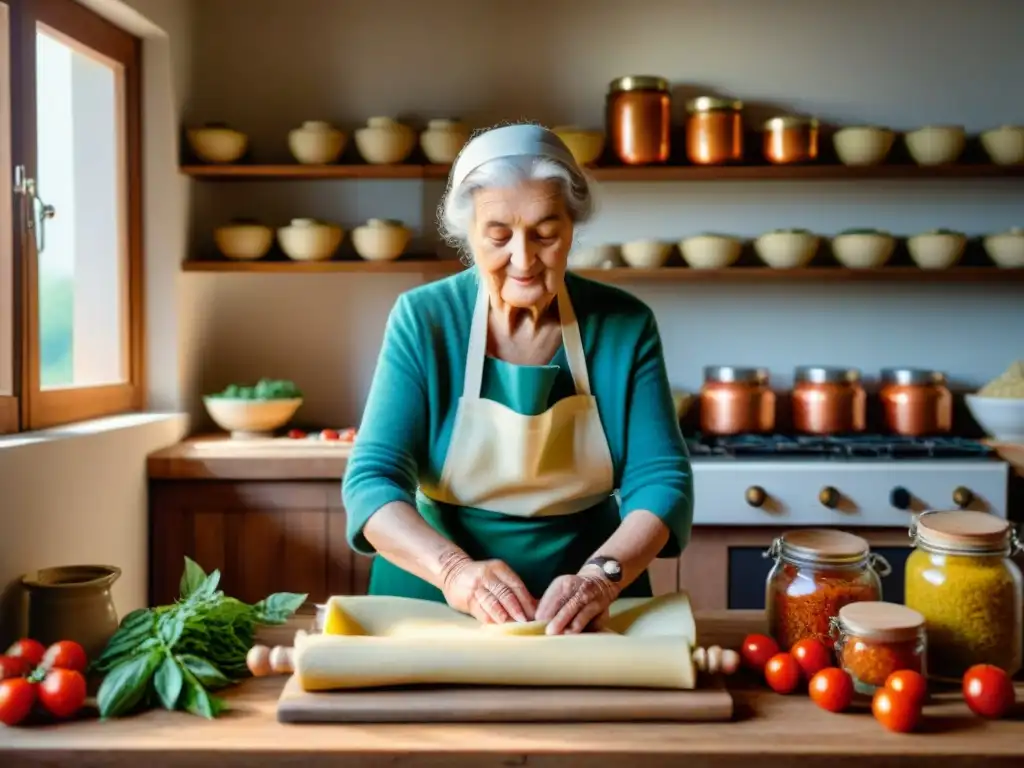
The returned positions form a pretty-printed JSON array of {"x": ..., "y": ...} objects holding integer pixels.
[
  {"x": 28, "y": 649},
  {"x": 62, "y": 692},
  {"x": 897, "y": 711},
  {"x": 13, "y": 666},
  {"x": 328, "y": 434},
  {"x": 812, "y": 656},
  {"x": 782, "y": 672},
  {"x": 348, "y": 435},
  {"x": 17, "y": 695},
  {"x": 296, "y": 434},
  {"x": 832, "y": 689},
  {"x": 988, "y": 691},
  {"x": 911, "y": 683},
  {"x": 756, "y": 650},
  {"x": 66, "y": 654}
]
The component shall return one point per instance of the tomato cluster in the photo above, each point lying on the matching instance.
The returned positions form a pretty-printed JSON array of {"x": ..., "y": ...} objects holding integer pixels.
[
  {"x": 53, "y": 677},
  {"x": 988, "y": 690}
]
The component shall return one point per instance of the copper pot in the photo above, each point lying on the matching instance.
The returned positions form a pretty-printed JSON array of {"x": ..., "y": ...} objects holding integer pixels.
[
  {"x": 736, "y": 401},
  {"x": 916, "y": 402},
  {"x": 714, "y": 131},
  {"x": 790, "y": 140},
  {"x": 639, "y": 117},
  {"x": 828, "y": 401}
]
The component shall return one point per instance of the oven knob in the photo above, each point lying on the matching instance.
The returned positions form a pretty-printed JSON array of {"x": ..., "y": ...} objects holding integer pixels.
[
  {"x": 962, "y": 497},
  {"x": 829, "y": 497},
  {"x": 756, "y": 497},
  {"x": 900, "y": 498}
]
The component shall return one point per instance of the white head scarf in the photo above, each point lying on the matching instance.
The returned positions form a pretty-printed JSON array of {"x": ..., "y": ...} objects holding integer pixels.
[{"x": 509, "y": 141}]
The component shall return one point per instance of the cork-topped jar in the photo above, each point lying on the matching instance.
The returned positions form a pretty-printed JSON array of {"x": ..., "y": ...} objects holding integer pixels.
[
  {"x": 714, "y": 131},
  {"x": 873, "y": 639},
  {"x": 639, "y": 119}
]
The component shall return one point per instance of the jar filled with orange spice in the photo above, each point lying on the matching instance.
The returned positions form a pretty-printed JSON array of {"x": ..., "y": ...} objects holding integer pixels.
[
  {"x": 875, "y": 639},
  {"x": 816, "y": 573}
]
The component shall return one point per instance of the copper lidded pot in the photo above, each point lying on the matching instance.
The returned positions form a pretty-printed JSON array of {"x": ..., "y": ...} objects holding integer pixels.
[
  {"x": 916, "y": 402},
  {"x": 828, "y": 401},
  {"x": 790, "y": 139},
  {"x": 714, "y": 131},
  {"x": 639, "y": 117},
  {"x": 735, "y": 401}
]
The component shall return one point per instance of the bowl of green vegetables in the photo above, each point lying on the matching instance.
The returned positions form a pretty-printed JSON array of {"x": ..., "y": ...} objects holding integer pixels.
[{"x": 254, "y": 411}]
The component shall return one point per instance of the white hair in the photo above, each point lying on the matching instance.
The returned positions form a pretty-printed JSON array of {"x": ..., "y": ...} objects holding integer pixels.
[{"x": 456, "y": 212}]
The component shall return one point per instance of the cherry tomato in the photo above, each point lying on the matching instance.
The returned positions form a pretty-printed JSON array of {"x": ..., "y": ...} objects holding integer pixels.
[
  {"x": 30, "y": 650},
  {"x": 832, "y": 689},
  {"x": 62, "y": 692},
  {"x": 296, "y": 434},
  {"x": 66, "y": 654},
  {"x": 895, "y": 710},
  {"x": 812, "y": 656},
  {"x": 13, "y": 666},
  {"x": 348, "y": 435},
  {"x": 756, "y": 650},
  {"x": 988, "y": 691},
  {"x": 782, "y": 672},
  {"x": 909, "y": 682},
  {"x": 328, "y": 434},
  {"x": 17, "y": 695}
]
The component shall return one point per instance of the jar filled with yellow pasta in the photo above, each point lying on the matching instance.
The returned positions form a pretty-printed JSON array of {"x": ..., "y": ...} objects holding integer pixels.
[{"x": 961, "y": 579}]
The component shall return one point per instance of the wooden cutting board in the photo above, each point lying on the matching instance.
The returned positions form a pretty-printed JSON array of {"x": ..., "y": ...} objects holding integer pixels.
[{"x": 503, "y": 705}]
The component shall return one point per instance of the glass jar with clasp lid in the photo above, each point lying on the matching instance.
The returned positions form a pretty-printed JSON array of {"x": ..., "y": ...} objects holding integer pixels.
[
  {"x": 874, "y": 639},
  {"x": 962, "y": 579},
  {"x": 817, "y": 572}
]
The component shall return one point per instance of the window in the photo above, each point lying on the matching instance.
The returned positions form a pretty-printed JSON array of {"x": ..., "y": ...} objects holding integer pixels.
[{"x": 71, "y": 323}]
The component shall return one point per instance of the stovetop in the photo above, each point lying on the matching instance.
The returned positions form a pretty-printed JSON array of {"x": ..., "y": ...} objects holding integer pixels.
[{"x": 842, "y": 448}]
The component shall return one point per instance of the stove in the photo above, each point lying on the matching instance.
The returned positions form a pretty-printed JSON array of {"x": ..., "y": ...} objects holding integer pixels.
[{"x": 849, "y": 481}]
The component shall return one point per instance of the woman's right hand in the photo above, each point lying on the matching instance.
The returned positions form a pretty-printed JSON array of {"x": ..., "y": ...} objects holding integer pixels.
[{"x": 488, "y": 590}]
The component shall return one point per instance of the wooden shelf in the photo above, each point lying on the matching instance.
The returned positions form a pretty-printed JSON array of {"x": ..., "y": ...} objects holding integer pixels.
[
  {"x": 625, "y": 274},
  {"x": 822, "y": 172}
]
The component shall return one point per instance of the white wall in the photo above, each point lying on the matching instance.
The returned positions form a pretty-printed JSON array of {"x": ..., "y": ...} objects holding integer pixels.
[{"x": 848, "y": 61}]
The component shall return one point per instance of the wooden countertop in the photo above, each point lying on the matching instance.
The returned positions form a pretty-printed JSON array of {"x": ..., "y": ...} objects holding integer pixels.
[
  {"x": 770, "y": 731},
  {"x": 218, "y": 457}
]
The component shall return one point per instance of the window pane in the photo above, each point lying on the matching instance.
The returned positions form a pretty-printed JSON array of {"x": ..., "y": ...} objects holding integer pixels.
[{"x": 80, "y": 156}]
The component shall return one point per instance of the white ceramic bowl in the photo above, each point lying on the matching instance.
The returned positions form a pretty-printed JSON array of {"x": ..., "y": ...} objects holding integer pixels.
[
  {"x": 1005, "y": 144},
  {"x": 863, "y": 249},
  {"x": 217, "y": 143},
  {"x": 646, "y": 254},
  {"x": 787, "y": 248},
  {"x": 316, "y": 143},
  {"x": 710, "y": 251},
  {"x": 1006, "y": 249},
  {"x": 310, "y": 240},
  {"x": 936, "y": 144},
  {"x": 863, "y": 144},
  {"x": 603, "y": 256},
  {"x": 381, "y": 239},
  {"x": 443, "y": 139},
  {"x": 939, "y": 249},
  {"x": 246, "y": 241},
  {"x": 384, "y": 141},
  {"x": 586, "y": 146},
  {"x": 250, "y": 418},
  {"x": 1002, "y": 418}
]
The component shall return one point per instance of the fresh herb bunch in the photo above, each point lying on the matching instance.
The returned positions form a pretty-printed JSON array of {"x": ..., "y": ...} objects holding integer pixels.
[
  {"x": 264, "y": 389},
  {"x": 175, "y": 656}
]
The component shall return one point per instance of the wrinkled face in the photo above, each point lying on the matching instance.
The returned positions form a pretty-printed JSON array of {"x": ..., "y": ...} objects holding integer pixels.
[{"x": 521, "y": 238}]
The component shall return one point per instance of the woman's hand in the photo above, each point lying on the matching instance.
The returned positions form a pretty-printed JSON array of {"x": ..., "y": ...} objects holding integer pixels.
[
  {"x": 488, "y": 590},
  {"x": 573, "y": 603}
]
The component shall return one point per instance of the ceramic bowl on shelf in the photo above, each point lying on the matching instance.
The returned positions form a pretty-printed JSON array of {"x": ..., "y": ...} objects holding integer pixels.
[
  {"x": 443, "y": 139},
  {"x": 385, "y": 141},
  {"x": 787, "y": 248},
  {"x": 246, "y": 419},
  {"x": 1002, "y": 418},
  {"x": 646, "y": 254},
  {"x": 710, "y": 251},
  {"x": 381, "y": 239},
  {"x": 936, "y": 144},
  {"x": 585, "y": 145},
  {"x": 606, "y": 256},
  {"x": 217, "y": 143},
  {"x": 863, "y": 248},
  {"x": 1005, "y": 144},
  {"x": 316, "y": 143},
  {"x": 938, "y": 249},
  {"x": 863, "y": 144},
  {"x": 1006, "y": 249},
  {"x": 309, "y": 239},
  {"x": 243, "y": 240}
]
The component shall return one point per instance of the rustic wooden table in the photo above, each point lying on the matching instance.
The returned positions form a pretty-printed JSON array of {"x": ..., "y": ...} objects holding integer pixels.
[{"x": 770, "y": 731}]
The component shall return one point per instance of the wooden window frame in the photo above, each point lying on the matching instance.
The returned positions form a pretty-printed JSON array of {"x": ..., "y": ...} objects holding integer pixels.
[{"x": 78, "y": 26}]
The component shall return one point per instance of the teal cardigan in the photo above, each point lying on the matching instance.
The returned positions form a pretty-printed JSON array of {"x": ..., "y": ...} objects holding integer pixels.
[{"x": 407, "y": 423}]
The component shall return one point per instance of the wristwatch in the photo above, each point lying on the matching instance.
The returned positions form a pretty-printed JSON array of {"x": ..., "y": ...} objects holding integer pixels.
[{"x": 612, "y": 569}]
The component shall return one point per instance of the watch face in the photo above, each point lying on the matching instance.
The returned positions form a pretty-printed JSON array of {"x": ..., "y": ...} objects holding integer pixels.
[{"x": 611, "y": 568}]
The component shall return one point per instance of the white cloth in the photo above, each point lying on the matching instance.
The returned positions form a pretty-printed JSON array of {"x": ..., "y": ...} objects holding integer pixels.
[{"x": 509, "y": 141}]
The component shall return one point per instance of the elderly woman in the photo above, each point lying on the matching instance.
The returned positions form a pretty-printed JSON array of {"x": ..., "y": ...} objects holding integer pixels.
[{"x": 509, "y": 403}]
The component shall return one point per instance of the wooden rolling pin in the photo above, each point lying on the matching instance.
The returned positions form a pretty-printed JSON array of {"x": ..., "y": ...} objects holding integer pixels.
[{"x": 264, "y": 661}]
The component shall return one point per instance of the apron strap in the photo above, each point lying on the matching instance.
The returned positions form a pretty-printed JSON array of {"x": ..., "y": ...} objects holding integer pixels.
[{"x": 573, "y": 343}]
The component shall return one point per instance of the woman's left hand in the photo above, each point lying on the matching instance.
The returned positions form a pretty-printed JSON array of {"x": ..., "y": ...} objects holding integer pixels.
[{"x": 572, "y": 603}]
